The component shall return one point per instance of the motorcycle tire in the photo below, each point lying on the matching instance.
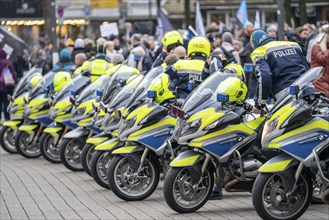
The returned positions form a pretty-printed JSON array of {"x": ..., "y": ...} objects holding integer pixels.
[
  {"x": 116, "y": 186},
  {"x": 95, "y": 167},
  {"x": 170, "y": 185},
  {"x": 7, "y": 143},
  {"x": 22, "y": 146},
  {"x": 261, "y": 186},
  {"x": 86, "y": 155},
  {"x": 65, "y": 153},
  {"x": 44, "y": 145}
]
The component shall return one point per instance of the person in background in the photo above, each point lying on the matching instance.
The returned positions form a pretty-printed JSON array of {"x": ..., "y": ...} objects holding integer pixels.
[
  {"x": 279, "y": 64},
  {"x": 5, "y": 90},
  {"x": 69, "y": 44},
  {"x": 248, "y": 29},
  {"x": 171, "y": 59},
  {"x": 79, "y": 47},
  {"x": 138, "y": 56},
  {"x": 272, "y": 31},
  {"x": 79, "y": 59},
  {"x": 227, "y": 48},
  {"x": 116, "y": 43},
  {"x": 119, "y": 67},
  {"x": 109, "y": 49},
  {"x": 21, "y": 63},
  {"x": 89, "y": 47},
  {"x": 320, "y": 57},
  {"x": 42, "y": 61},
  {"x": 65, "y": 62},
  {"x": 300, "y": 38},
  {"x": 244, "y": 56}
]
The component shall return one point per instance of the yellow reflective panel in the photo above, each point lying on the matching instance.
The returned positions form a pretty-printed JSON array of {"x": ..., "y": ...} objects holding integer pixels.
[
  {"x": 88, "y": 104},
  {"x": 107, "y": 145},
  {"x": 37, "y": 114},
  {"x": 27, "y": 128},
  {"x": 11, "y": 124},
  {"x": 85, "y": 122},
  {"x": 115, "y": 133},
  {"x": 184, "y": 162},
  {"x": 140, "y": 113}
]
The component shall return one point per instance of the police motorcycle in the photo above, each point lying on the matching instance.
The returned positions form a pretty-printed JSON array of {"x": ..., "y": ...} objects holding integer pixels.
[
  {"x": 16, "y": 109},
  {"x": 60, "y": 112},
  {"x": 118, "y": 79},
  {"x": 220, "y": 144},
  {"x": 134, "y": 170},
  {"x": 110, "y": 124},
  {"x": 126, "y": 101},
  {"x": 298, "y": 131},
  {"x": 36, "y": 118},
  {"x": 82, "y": 114}
]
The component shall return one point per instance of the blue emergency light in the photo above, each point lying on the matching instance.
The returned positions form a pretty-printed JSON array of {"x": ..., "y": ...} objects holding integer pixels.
[
  {"x": 222, "y": 97},
  {"x": 151, "y": 94}
]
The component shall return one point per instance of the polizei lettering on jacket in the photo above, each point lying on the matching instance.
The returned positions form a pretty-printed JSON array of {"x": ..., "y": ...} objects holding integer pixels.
[{"x": 285, "y": 52}]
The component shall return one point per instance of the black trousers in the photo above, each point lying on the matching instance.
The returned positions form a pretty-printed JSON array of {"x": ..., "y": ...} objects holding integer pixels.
[{"x": 4, "y": 105}]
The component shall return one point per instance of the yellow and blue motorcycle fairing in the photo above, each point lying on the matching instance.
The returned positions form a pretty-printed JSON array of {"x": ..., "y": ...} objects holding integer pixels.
[
  {"x": 14, "y": 124},
  {"x": 109, "y": 145},
  {"x": 128, "y": 149},
  {"x": 99, "y": 138}
]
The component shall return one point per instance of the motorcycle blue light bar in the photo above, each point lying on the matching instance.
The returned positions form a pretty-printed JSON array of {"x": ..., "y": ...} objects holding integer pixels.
[
  {"x": 99, "y": 93},
  {"x": 45, "y": 91},
  {"x": 122, "y": 83},
  {"x": 294, "y": 90},
  {"x": 151, "y": 94},
  {"x": 248, "y": 68},
  {"x": 73, "y": 93},
  {"x": 222, "y": 97},
  {"x": 190, "y": 86}
]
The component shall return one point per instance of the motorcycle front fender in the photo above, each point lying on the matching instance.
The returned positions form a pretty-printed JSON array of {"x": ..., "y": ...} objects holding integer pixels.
[
  {"x": 54, "y": 130},
  {"x": 187, "y": 159},
  {"x": 29, "y": 128},
  {"x": 77, "y": 132},
  {"x": 12, "y": 124},
  {"x": 278, "y": 164},
  {"x": 128, "y": 149},
  {"x": 109, "y": 145},
  {"x": 98, "y": 139}
]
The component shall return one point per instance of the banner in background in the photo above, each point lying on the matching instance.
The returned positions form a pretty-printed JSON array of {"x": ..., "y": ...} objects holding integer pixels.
[
  {"x": 10, "y": 43},
  {"x": 108, "y": 29},
  {"x": 164, "y": 24},
  {"x": 242, "y": 14},
  {"x": 257, "y": 20},
  {"x": 199, "y": 26}
]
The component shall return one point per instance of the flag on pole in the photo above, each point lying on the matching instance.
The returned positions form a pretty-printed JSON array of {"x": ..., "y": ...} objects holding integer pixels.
[
  {"x": 198, "y": 20},
  {"x": 164, "y": 24},
  {"x": 191, "y": 32},
  {"x": 257, "y": 20},
  {"x": 242, "y": 14}
]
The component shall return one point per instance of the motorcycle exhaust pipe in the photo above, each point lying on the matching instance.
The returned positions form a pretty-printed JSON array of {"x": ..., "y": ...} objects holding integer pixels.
[{"x": 325, "y": 196}]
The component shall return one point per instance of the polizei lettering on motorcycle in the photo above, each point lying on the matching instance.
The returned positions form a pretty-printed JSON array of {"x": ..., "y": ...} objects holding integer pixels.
[{"x": 283, "y": 53}]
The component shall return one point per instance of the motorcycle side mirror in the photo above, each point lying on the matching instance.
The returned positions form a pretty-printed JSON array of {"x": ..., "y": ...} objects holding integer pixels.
[
  {"x": 151, "y": 94},
  {"x": 294, "y": 90},
  {"x": 222, "y": 97},
  {"x": 99, "y": 93},
  {"x": 94, "y": 106},
  {"x": 102, "y": 107}
]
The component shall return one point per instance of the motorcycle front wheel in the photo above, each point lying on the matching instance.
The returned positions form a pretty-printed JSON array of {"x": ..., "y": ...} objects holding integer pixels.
[
  {"x": 49, "y": 149},
  {"x": 70, "y": 153},
  {"x": 26, "y": 145},
  {"x": 272, "y": 201},
  {"x": 182, "y": 193},
  {"x": 7, "y": 140},
  {"x": 86, "y": 155},
  {"x": 129, "y": 185},
  {"x": 99, "y": 168}
]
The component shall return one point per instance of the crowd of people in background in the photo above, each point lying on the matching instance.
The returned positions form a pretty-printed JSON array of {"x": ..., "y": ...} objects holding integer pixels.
[{"x": 314, "y": 42}]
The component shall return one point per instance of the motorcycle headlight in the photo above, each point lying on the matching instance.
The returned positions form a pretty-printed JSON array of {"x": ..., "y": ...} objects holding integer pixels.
[
  {"x": 212, "y": 125},
  {"x": 269, "y": 127},
  {"x": 191, "y": 127}
]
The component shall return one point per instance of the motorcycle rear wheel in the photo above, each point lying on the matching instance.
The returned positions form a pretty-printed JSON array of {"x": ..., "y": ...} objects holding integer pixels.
[{"x": 7, "y": 140}]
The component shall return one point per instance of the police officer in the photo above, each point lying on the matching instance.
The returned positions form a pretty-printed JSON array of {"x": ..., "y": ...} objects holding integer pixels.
[
  {"x": 278, "y": 63},
  {"x": 119, "y": 67},
  {"x": 184, "y": 71},
  {"x": 97, "y": 65},
  {"x": 170, "y": 41}
]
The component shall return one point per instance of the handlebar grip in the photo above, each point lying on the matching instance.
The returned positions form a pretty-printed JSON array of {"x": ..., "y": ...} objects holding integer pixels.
[{"x": 248, "y": 107}]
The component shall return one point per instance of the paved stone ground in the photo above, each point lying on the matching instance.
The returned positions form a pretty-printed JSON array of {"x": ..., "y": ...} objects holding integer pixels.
[{"x": 37, "y": 189}]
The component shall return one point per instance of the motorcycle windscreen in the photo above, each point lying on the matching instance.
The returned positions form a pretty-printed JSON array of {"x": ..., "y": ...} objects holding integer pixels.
[
  {"x": 112, "y": 89},
  {"x": 76, "y": 84},
  {"x": 122, "y": 97},
  {"x": 45, "y": 83},
  {"x": 23, "y": 85},
  {"x": 89, "y": 92},
  {"x": 205, "y": 94},
  {"x": 140, "y": 92},
  {"x": 304, "y": 82}
]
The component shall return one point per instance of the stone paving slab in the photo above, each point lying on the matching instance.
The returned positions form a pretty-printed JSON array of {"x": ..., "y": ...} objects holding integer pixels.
[{"x": 37, "y": 189}]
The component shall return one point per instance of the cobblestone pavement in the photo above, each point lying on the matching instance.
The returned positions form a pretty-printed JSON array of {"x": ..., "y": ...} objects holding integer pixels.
[{"x": 37, "y": 189}]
